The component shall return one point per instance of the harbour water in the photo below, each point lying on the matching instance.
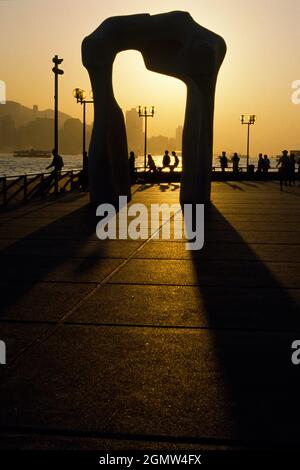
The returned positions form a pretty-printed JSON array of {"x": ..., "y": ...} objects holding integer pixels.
[{"x": 12, "y": 166}]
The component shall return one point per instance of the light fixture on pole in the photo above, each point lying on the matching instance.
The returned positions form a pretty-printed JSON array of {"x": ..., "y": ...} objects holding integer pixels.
[
  {"x": 80, "y": 96},
  {"x": 145, "y": 112},
  {"x": 249, "y": 120}
]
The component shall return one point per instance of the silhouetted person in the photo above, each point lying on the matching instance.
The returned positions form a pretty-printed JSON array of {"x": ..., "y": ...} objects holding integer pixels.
[
  {"x": 151, "y": 164},
  {"x": 131, "y": 163},
  {"x": 292, "y": 169},
  {"x": 235, "y": 163},
  {"x": 284, "y": 168},
  {"x": 266, "y": 164},
  {"x": 298, "y": 163},
  {"x": 176, "y": 161},
  {"x": 260, "y": 163},
  {"x": 166, "y": 160},
  {"x": 223, "y": 162},
  {"x": 57, "y": 163},
  {"x": 85, "y": 173}
]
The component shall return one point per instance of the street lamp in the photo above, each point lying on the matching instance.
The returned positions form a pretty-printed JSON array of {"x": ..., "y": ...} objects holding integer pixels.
[
  {"x": 145, "y": 112},
  {"x": 80, "y": 96},
  {"x": 248, "y": 119}
]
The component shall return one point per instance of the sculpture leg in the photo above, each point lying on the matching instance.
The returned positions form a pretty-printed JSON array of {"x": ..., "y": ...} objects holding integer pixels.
[
  {"x": 197, "y": 142},
  {"x": 108, "y": 155}
]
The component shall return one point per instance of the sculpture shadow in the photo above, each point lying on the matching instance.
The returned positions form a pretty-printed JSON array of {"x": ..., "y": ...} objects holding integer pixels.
[{"x": 253, "y": 320}]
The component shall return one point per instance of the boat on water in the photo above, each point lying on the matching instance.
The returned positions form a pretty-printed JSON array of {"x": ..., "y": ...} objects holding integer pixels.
[{"x": 32, "y": 153}]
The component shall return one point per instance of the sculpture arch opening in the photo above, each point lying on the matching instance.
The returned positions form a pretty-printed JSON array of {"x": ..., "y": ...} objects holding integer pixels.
[
  {"x": 144, "y": 87},
  {"x": 172, "y": 44}
]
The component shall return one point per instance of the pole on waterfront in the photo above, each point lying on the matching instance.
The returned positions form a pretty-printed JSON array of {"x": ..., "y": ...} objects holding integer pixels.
[
  {"x": 84, "y": 129},
  {"x": 80, "y": 96},
  {"x": 145, "y": 112},
  {"x": 248, "y": 119},
  {"x": 57, "y": 71}
]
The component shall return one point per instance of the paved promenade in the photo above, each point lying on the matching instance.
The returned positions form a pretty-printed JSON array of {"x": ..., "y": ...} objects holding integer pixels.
[{"x": 141, "y": 344}]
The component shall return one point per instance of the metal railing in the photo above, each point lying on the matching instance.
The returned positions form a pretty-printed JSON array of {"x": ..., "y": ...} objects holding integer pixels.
[{"x": 23, "y": 188}]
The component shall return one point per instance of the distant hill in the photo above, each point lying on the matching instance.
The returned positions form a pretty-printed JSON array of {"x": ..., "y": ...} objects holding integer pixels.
[
  {"x": 25, "y": 128},
  {"x": 22, "y": 115}
]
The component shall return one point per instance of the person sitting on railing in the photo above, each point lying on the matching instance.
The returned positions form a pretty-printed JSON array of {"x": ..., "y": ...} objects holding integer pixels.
[
  {"x": 176, "y": 161},
  {"x": 166, "y": 160},
  {"x": 57, "y": 163},
  {"x": 151, "y": 164}
]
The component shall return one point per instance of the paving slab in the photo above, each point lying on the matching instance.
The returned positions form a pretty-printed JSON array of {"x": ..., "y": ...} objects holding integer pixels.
[
  {"x": 188, "y": 306},
  {"x": 86, "y": 249},
  {"x": 18, "y": 337},
  {"x": 55, "y": 269},
  {"x": 220, "y": 251},
  {"x": 216, "y": 273},
  {"x": 40, "y": 302}
]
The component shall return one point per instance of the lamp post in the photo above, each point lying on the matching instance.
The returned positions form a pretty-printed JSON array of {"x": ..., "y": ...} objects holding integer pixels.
[
  {"x": 57, "y": 71},
  {"x": 248, "y": 119},
  {"x": 145, "y": 112},
  {"x": 80, "y": 95}
]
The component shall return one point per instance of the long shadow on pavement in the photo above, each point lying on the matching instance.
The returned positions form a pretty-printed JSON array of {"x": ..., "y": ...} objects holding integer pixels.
[{"x": 254, "y": 321}]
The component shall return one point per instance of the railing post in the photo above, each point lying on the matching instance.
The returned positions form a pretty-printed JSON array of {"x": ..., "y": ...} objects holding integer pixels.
[
  {"x": 56, "y": 178},
  {"x": 25, "y": 188},
  {"x": 4, "y": 191},
  {"x": 42, "y": 185}
]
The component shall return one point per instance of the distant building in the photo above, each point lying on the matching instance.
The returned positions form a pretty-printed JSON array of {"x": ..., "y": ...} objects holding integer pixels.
[
  {"x": 35, "y": 110},
  {"x": 37, "y": 134},
  {"x": 135, "y": 134},
  {"x": 71, "y": 137},
  {"x": 158, "y": 144},
  {"x": 178, "y": 138},
  {"x": 7, "y": 133}
]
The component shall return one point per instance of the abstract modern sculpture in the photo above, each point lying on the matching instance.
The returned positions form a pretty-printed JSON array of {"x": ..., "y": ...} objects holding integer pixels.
[{"x": 172, "y": 44}]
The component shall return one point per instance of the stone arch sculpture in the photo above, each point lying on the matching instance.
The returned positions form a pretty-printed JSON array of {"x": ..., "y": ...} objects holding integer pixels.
[{"x": 172, "y": 44}]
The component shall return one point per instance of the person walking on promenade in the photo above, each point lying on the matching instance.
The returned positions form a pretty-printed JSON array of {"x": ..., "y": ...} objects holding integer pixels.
[
  {"x": 284, "y": 168},
  {"x": 176, "y": 161},
  {"x": 151, "y": 164},
  {"x": 235, "y": 163},
  {"x": 131, "y": 163},
  {"x": 57, "y": 163},
  {"x": 166, "y": 160},
  {"x": 260, "y": 163},
  {"x": 223, "y": 162}
]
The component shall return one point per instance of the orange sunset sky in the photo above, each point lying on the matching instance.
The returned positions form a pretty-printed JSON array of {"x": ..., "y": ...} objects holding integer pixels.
[{"x": 262, "y": 61}]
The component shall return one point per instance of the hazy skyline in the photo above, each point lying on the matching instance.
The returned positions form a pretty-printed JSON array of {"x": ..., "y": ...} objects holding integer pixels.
[{"x": 261, "y": 63}]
